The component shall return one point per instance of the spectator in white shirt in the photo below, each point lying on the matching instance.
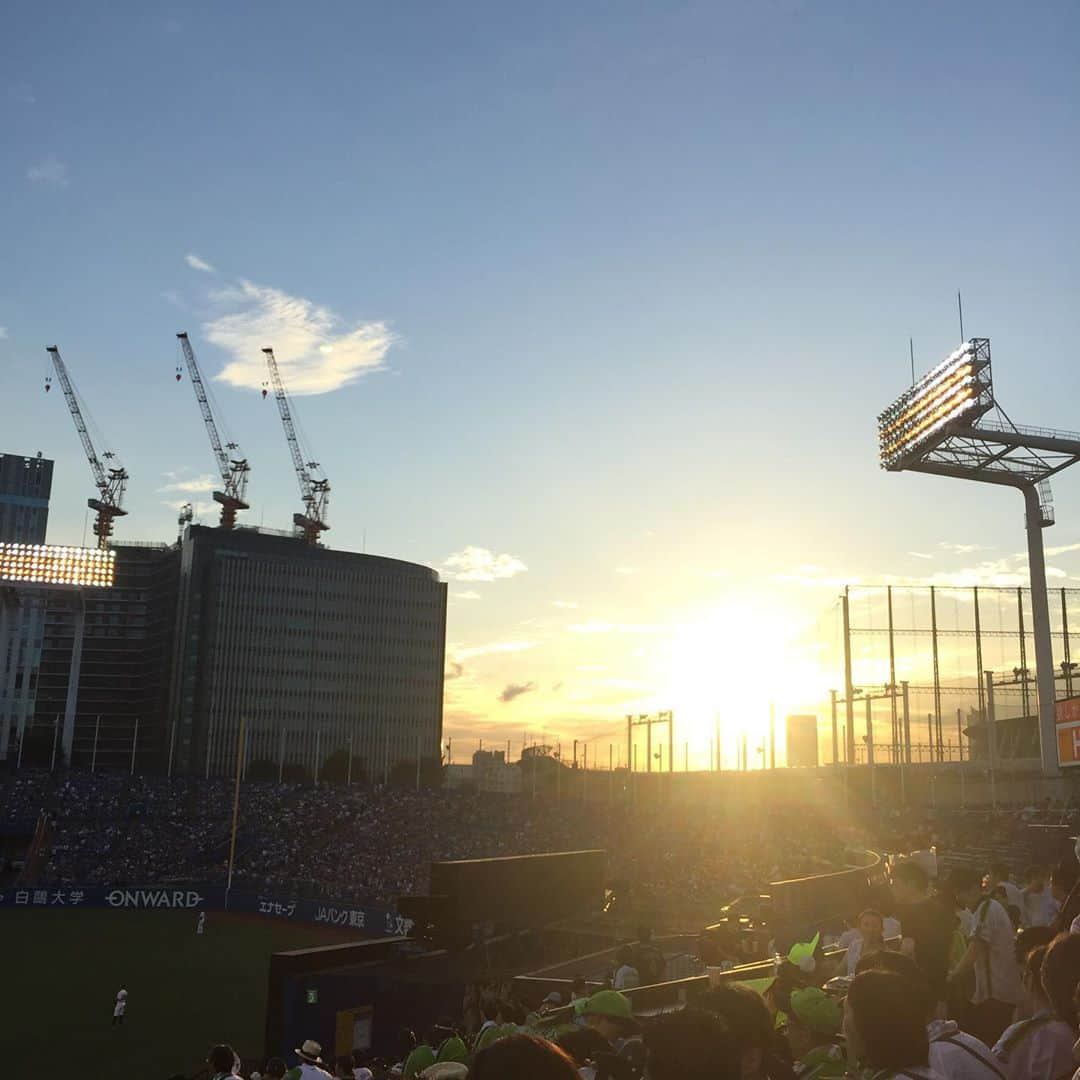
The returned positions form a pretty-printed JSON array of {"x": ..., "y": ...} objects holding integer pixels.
[
  {"x": 871, "y": 938},
  {"x": 1040, "y": 907},
  {"x": 626, "y": 975},
  {"x": 999, "y": 877}
]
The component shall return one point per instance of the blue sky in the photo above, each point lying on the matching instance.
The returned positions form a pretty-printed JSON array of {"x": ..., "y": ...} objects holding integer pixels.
[{"x": 622, "y": 287}]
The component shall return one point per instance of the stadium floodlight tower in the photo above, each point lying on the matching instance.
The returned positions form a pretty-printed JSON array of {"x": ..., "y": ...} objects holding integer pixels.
[
  {"x": 942, "y": 426},
  {"x": 50, "y": 569}
]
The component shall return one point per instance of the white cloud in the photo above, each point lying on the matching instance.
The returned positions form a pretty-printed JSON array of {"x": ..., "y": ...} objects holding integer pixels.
[
  {"x": 3, "y": 332},
  {"x": 469, "y": 594},
  {"x": 482, "y": 564},
  {"x": 195, "y": 486},
  {"x": 198, "y": 264},
  {"x": 570, "y": 604},
  {"x": 1061, "y": 549},
  {"x": 920, "y": 555},
  {"x": 199, "y": 508},
  {"x": 50, "y": 171},
  {"x": 598, "y": 626},
  {"x": 626, "y": 570},
  {"x": 23, "y": 93},
  {"x": 961, "y": 549},
  {"x": 316, "y": 351},
  {"x": 468, "y": 652}
]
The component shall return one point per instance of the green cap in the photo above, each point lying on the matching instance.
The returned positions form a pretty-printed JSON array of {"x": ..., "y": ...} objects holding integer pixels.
[
  {"x": 453, "y": 1049},
  {"x": 420, "y": 1058},
  {"x": 814, "y": 1009},
  {"x": 802, "y": 953},
  {"x": 609, "y": 1003}
]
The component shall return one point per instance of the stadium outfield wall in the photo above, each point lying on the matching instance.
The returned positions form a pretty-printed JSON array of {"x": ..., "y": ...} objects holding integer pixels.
[{"x": 374, "y": 921}]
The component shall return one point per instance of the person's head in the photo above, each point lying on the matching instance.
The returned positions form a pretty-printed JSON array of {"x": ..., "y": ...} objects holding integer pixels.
[
  {"x": 748, "y": 1019},
  {"x": 583, "y": 1045},
  {"x": 489, "y": 1008},
  {"x": 1031, "y": 938},
  {"x": 625, "y": 955},
  {"x": 884, "y": 1023},
  {"x": 221, "y": 1059},
  {"x": 910, "y": 883},
  {"x": 1035, "y": 878},
  {"x": 578, "y": 988},
  {"x": 644, "y": 935},
  {"x": 610, "y": 1013},
  {"x": 872, "y": 927},
  {"x": 1061, "y": 976},
  {"x": 343, "y": 1067},
  {"x": 1062, "y": 879},
  {"x": 522, "y": 1056},
  {"x": 275, "y": 1069},
  {"x": 997, "y": 874},
  {"x": 966, "y": 885},
  {"x": 1031, "y": 973},
  {"x": 814, "y": 1020},
  {"x": 904, "y": 966},
  {"x": 691, "y": 1044}
]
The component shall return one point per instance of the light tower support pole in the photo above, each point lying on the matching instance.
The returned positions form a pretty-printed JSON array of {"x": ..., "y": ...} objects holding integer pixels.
[
  {"x": 67, "y": 741},
  {"x": 1044, "y": 650}
]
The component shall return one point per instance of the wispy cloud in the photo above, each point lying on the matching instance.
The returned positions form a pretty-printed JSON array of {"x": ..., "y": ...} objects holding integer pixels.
[
  {"x": 469, "y": 652},
  {"x": 626, "y": 571},
  {"x": 198, "y": 264},
  {"x": 961, "y": 549},
  {"x": 598, "y": 626},
  {"x": 197, "y": 485},
  {"x": 314, "y": 347},
  {"x": 568, "y": 604},
  {"x": 815, "y": 577},
  {"x": 469, "y": 594},
  {"x": 454, "y": 670},
  {"x": 50, "y": 171},
  {"x": 482, "y": 564},
  {"x": 22, "y": 93},
  {"x": 3, "y": 332},
  {"x": 1061, "y": 549},
  {"x": 515, "y": 690},
  {"x": 920, "y": 554}
]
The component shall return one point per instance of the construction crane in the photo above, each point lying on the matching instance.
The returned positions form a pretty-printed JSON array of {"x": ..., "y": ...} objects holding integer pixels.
[
  {"x": 110, "y": 477},
  {"x": 314, "y": 493},
  {"x": 233, "y": 467}
]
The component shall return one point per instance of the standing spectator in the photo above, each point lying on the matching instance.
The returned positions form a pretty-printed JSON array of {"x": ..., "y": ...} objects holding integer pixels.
[
  {"x": 927, "y": 924},
  {"x": 998, "y": 877},
  {"x": 991, "y": 955},
  {"x": 1040, "y": 907},
  {"x": 610, "y": 1013},
  {"x": 626, "y": 975},
  {"x": 310, "y": 1063},
  {"x": 1041, "y": 1044},
  {"x": 648, "y": 959},
  {"x": 884, "y": 1027},
  {"x": 120, "y": 1007},
  {"x": 360, "y": 1069},
  {"x": 275, "y": 1069},
  {"x": 763, "y": 1055},
  {"x": 871, "y": 938}
]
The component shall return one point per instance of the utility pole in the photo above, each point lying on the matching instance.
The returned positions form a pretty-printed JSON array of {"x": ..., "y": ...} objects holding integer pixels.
[
  {"x": 835, "y": 730},
  {"x": 849, "y": 686},
  {"x": 991, "y": 737}
]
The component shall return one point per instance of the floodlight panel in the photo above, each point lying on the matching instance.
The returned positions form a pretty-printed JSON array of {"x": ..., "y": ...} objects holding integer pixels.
[
  {"x": 958, "y": 389},
  {"x": 52, "y": 566}
]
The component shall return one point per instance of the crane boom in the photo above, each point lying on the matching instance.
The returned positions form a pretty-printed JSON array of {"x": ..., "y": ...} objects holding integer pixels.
[
  {"x": 314, "y": 493},
  {"x": 110, "y": 479},
  {"x": 234, "y": 470}
]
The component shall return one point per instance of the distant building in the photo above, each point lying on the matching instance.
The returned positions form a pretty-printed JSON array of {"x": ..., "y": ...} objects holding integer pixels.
[
  {"x": 320, "y": 651},
  {"x": 492, "y": 772},
  {"x": 25, "y": 486},
  {"x": 802, "y": 742}
]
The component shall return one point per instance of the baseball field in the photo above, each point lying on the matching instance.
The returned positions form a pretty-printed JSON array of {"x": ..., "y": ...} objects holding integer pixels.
[{"x": 186, "y": 991}]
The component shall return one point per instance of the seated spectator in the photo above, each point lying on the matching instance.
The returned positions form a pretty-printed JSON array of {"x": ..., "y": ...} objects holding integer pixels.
[
  {"x": 953, "y": 1053},
  {"x": 522, "y": 1057},
  {"x": 813, "y": 1027},
  {"x": 610, "y": 1013},
  {"x": 763, "y": 1054},
  {"x": 360, "y": 1067},
  {"x": 871, "y": 938},
  {"x": 1042, "y": 1044},
  {"x": 626, "y": 975},
  {"x": 691, "y": 1045},
  {"x": 309, "y": 1063},
  {"x": 885, "y": 1028}
]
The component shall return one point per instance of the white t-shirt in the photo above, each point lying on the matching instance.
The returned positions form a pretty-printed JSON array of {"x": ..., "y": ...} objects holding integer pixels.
[
  {"x": 997, "y": 974},
  {"x": 1041, "y": 1046},
  {"x": 121, "y": 1003},
  {"x": 626, "y": 977},
  {"x": 958, "y": 1055},
  {"x": 1040, "y": 907}
]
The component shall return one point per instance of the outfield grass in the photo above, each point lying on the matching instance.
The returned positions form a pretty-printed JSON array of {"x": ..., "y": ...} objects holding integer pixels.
[{"x": 62, "y": 969}]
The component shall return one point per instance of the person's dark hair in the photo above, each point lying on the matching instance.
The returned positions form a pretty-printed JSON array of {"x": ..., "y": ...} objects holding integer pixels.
[
  {"x": 890, "y": 1019},
  {"x": 912, "y": 875},
  {"x": 1060, "y": 976},
  {"x": 578, "y": 984},
  {"x": 1065, "y": 875},
  {"x": 524, "y": 1056},
  {"x": 625, "y": 955},
  {"x": 644, "y": 935},
  {"x": 873, "y": 912},
  {"x": 221, "y": 1058},
  {"x": 275, "y": 1069},
  {"x": 907, "y": 969},
  {"x": 999, "y": 870},
  {"x": 745, "y": 1013},
  {"x": 1031, "y": 938},
  {"x": 691, "y": 1044},
  {"x": 583, "y": 1044},
  {"x": 1033, "y": 872},
  {"x": 343, "y": 1061},
  {"x": 963, "y": 879},
  {"x": 489, "y": 1008}
]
